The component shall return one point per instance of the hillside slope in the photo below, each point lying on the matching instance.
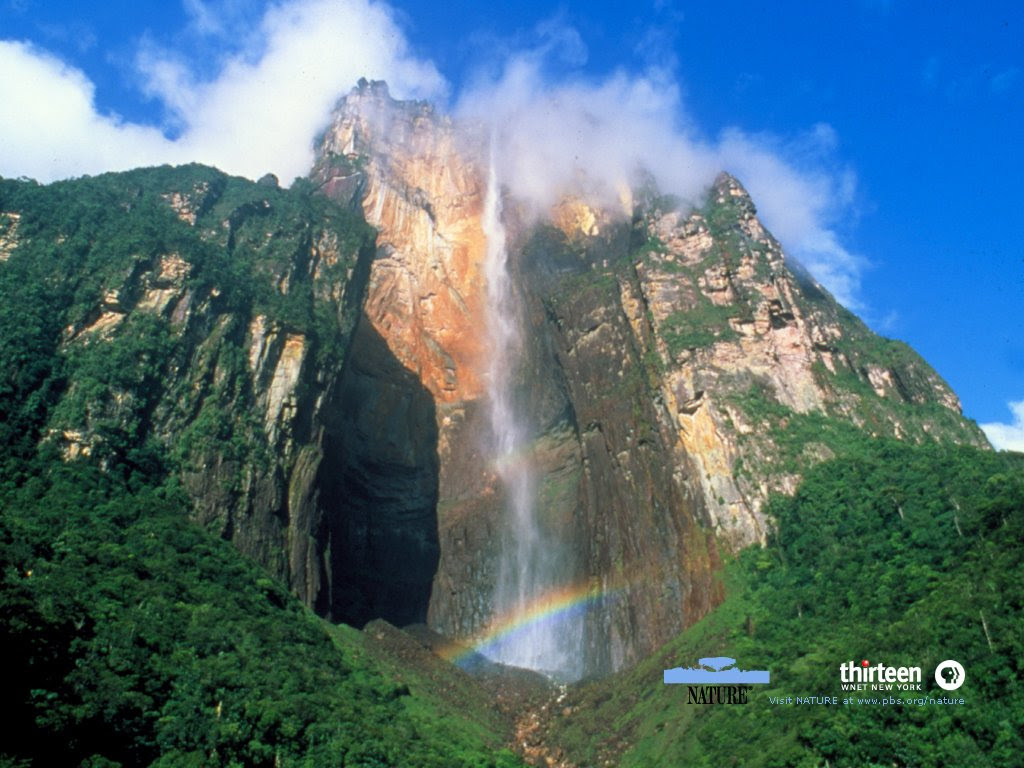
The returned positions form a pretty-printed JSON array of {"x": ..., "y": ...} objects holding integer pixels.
[{"x": 897, "y": 554}]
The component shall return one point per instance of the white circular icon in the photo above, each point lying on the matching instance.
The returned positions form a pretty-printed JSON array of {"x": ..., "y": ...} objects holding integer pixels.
[{"x": 949, "y": 675}]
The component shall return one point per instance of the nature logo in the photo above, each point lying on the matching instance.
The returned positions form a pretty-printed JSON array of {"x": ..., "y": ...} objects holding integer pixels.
[{"x": 716, "y": 670}]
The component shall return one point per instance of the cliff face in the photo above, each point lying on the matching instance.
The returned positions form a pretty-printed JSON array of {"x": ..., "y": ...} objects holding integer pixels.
[
  {"x": 666, "y": 354},
  {"x": 421, "y": 180},
  {"x": 420, "y": 184},
  {"x": 403, "y": 165},
  {"x": 195, "y": 325},
  {"x": 321, "y": 391},
  {"x": 736, "y": 342},
  {"x": 782, "y": 346}
]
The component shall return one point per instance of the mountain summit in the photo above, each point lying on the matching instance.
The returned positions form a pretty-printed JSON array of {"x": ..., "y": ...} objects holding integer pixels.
[
  {"x": 666, "y": 357},
  {"x": 410, "y": 397}
]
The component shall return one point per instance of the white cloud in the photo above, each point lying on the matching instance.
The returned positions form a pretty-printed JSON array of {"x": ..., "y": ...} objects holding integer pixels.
[
  {"x": 549, "y": 133},
  {"x": 314, "y": 51},
  {"x": 576, "y": 135},
  {"x": 49, "y": 126},
  {"x": 204, "y": 19},
  {"x": 272, "y": 89},
  {"x": 258, "y": 114},
  {"x": 1008, "y": 437}
]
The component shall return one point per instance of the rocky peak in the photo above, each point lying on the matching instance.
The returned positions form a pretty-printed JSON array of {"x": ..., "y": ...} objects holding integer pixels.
[
  {"x": 667, "y": 353},
  {"x": 726, "y": 185},
  {"x": 406, "y": 168}
]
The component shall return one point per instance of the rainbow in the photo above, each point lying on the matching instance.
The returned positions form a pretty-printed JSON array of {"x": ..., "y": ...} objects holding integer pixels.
[{"x": 555, "y": 605}]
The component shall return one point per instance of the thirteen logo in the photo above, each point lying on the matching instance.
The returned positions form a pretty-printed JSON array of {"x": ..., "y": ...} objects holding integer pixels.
[
  {"x": 716, "y": 670},
  {"x": 949, "y": 675},
  {"x": 878, "y": 677}
]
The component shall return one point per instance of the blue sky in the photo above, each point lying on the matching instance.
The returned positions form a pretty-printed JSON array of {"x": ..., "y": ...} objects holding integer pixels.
[{"x": 881, "y": 139}]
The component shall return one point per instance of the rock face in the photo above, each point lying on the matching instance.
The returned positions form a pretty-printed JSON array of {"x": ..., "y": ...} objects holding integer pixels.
[
  {"x": 653, "y": 343},
  {"x": 403, "y": 165},
  {"x": 319, "y": 389},
  {"x": 419, "y": 183},
  {"x": 420, "y": 180},
  {"x": 734, "y": 324}
]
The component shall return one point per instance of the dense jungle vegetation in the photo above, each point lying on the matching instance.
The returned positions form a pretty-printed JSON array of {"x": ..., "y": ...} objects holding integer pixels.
[{"x": 900, "y": 554}]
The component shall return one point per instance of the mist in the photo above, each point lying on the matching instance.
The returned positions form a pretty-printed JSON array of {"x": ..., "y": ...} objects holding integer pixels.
[{"x": 595, "y": 137}]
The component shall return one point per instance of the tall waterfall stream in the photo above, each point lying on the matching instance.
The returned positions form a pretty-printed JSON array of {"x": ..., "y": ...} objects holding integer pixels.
[{"x": 538, "y": 629}]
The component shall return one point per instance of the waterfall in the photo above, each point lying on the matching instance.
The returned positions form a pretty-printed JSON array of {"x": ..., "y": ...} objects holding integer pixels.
[{"x": 530, "y": 585}]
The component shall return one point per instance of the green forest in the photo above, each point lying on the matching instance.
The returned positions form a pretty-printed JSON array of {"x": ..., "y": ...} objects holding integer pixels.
[
  {"x": 134, "y": 637},
  {"x": 907, "y": 555}
]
